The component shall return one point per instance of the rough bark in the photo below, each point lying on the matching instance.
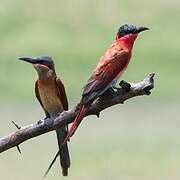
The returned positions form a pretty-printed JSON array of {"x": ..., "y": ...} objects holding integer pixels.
[{"x": 119, "y": 96}]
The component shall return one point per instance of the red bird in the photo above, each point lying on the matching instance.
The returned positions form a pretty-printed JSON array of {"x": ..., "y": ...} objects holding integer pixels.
[{"x": 110, "y": 67}]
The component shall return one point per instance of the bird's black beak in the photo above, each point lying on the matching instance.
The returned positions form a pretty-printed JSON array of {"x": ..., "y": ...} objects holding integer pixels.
[
  {"x": 30, "y": 60},
  {"x": 140, "y": 29}
]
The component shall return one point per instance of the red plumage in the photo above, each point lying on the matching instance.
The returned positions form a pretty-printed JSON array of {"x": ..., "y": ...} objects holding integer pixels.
[
  {"x": 110, "y": 67},
  {"x": 76, "y": 123}
]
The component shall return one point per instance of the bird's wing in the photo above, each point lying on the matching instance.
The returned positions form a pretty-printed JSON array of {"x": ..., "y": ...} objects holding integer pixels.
[
  {"x": 39, "y": 99},
  {"x": 62, "y": 93},
  {"x": 110, "y": 65}
]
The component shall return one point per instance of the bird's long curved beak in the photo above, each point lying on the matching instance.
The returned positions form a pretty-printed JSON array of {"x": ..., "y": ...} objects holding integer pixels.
[
  {"x": 140, "y": 29},
  {"x": 29, "y": 60}
]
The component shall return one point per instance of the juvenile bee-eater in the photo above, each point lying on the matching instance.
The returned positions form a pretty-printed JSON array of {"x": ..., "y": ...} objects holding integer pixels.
[
  {"x": 51, "y": 94},
  {"x": 109, "y": 69}
]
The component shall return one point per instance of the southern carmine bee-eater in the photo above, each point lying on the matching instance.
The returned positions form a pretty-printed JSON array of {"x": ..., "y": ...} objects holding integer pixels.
[
  {"x": 51, "y": 94},
  {"x": 109, "y": 69}
]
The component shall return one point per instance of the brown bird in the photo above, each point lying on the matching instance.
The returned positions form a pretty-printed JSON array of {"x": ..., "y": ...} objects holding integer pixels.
[{"x": 51, "y": 94}]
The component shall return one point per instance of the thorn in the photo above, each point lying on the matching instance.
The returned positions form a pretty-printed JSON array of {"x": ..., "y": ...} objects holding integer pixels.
[
  {"x": 18, "y": 127},
  {"x": 147, "y": 91},
  {"x": 152, "y": 75},
  {"x": 98, "y": 114},
  {"x": 18, "y": 148},
  {"x": 15, "y": 124}
]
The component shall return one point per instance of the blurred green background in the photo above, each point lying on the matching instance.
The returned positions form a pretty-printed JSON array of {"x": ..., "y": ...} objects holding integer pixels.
[{"x": 139, "y": 140}]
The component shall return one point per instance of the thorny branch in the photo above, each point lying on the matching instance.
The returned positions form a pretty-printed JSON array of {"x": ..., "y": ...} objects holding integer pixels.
[{"x": 123, "y": 93}]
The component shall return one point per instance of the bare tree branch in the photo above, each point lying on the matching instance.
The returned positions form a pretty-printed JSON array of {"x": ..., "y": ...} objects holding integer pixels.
[{"x": 125, "y": 92}]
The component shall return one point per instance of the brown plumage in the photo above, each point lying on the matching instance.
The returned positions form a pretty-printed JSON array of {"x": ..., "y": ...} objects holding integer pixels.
[
  {"x": 52, "y": 97},
  {"x": 51, "y": 94}
]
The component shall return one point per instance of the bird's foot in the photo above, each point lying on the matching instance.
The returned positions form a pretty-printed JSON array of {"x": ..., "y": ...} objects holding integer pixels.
[
  {"x": 43, "y": 122},
  {"x": 40, "y": 122},
  {"x": 108, "y": 92},
  {"x": 116, "y": 88},
  {"x": 61, "y": 115}
]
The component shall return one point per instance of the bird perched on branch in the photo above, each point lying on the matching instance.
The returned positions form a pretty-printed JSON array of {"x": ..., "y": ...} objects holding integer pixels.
[
  {"x": 51, "y": 94},
  {"x": 109, "y": 69}
]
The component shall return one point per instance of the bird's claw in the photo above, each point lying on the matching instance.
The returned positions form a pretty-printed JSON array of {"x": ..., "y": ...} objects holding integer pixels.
[
  {"x": 45, "y": 122},
  {"x": 62, "y": 114},
  {"x": 116, "y": 88},
  {"x": 40, "y": 122}
]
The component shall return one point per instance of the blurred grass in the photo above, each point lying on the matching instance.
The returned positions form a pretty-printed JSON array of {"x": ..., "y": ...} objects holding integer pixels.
[{"x": 76, "y": 34}]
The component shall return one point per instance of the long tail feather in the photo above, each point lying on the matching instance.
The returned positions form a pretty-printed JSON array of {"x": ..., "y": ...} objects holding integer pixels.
[
  {"x": 67, "y": 160},
  {"x": 50, "y": 166},
  {"x": 64, "y": 153},
  {"x": 72, "y": 130},
  {"x": 76, "y": 123}
]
